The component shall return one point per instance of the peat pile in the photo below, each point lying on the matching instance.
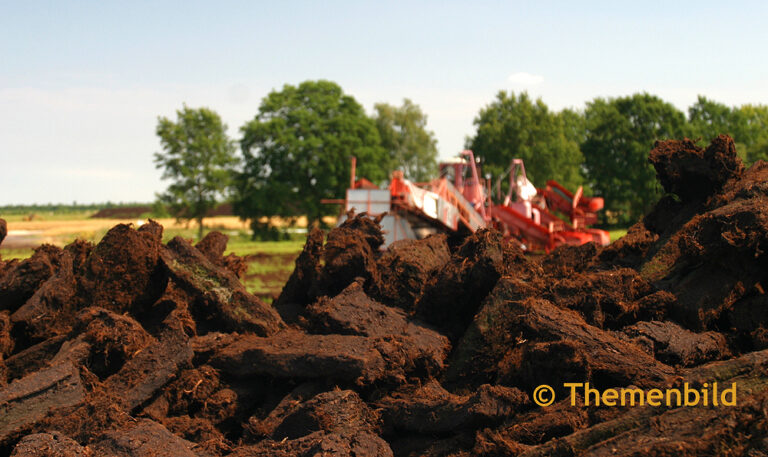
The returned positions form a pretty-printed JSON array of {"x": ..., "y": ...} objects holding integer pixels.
[{"x": 132, "y": 347}]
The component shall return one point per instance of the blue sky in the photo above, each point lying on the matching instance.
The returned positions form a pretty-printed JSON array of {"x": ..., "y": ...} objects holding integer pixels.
[{"x": 82, "y": 83}]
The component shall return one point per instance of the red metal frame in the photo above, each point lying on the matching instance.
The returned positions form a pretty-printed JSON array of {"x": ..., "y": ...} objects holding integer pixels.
[{"x": 535, "y": 227}]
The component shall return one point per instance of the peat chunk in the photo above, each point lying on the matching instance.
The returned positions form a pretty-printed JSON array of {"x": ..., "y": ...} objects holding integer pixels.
[
  {"x": 103, "y": 341},
  {"x": 191, "y": 390},
  {"x": 360, "y": 444},
  {"x": 51, "y": 444},
  {"x": 301, "y": 285},
  {"x": 631, "y": 249},
  {"x": 3, "y": 230},
  {"x": 6, "y": 342},
  {"x": 749, "y": 316},
  {"x": 264, "y": 420},
  {"x": 477, "y": 354},
  {"x": 753, "y": 184},
  {"x": 198, "y": 393},
  {"x": 213, "y": 246},
  {"x": 406, "y": 267},
  {"x": 209, "y": 441},
  {"x": 418, "y": 354},
  {"x": 33, "y": 358},
  {"x": 21, "y": 279},
  {"x": 413, "y": 445},
  {"x": 352, "y": 312},
  {"x": 533, "y": 427},
  {"x": 567, "y": 258},
  {"x": 52, "y": 308},
  {"x": 236, "y": 264},
  {"x": 687, "y": 430},
  {"x": 342, "y": 358},
  {"x": 419, "y": 350},
  {"x": 432, "y": 409},
  {"x": 694, "y": 173},
  {"x": 29, "y": 399},
  {"x": 351, "y": 250},
  {"x": 337, "y": 411},
  {"x": 149, "y": 370},
  {"x": 220, "y": 301},
  {"x": 453, "y": 295},
  {"x": 677, "y": 346},
  {"x": 205, "y": 346},
  {"x": 668, "y": 215},
  {"x": 520, "y": 341},
  {"x": 712, "y": 262},
  {"x": 291, "y": 354},
  {"x": 606, "y": 299},
  {"x": 367, "y": 227},
  {"x": 122, "y": 272},
  {"x": 556, "y": 344},
  {"x": 144, "y": 438}
]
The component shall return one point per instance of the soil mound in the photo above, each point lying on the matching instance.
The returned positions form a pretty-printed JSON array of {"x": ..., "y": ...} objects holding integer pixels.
[
  {"x": 694, "y": 173},
  {"x": 132, "y": 347},
  {"x": 3, "y": 230},
  {"x": 407, "y": 266},
  {"x": 20, "y": 279}
]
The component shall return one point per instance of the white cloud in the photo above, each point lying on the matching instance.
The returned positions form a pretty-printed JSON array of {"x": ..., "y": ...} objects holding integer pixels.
[{"x": 525, "y": 79}]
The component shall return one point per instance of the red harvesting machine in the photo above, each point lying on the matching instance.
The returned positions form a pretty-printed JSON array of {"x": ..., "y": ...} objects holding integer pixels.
[{"x": 460, "y": 201}]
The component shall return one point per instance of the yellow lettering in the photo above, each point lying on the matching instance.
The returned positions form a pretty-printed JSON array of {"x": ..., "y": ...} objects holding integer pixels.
[
  {"x": 732, "y": 393},
  {"x": 588, "y": 392},
  {"x": 678, "y": 397},
  {"x": 573, "y": 386},
  {"x": 610, "y": 396},
  {"x": 687, "y": 391},
  {"x": 654, "y": 397},
  {"x": 633, "y": 394}
]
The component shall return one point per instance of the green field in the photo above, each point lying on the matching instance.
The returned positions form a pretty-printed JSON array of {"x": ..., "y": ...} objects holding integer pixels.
[{"x": 616, "y": 234}]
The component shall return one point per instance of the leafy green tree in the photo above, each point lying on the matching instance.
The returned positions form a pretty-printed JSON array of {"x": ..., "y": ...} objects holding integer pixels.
[
  {"x": 619, "y": 134},
  {"x": 707, "y": 119},
  {"x": 514, "y": 126},
  {"x": 574, "y": 125},
  {"x": 297, "y": 151},
  {"x": 404, "y": 135},
  {"x": 755, "y": 119},
  {"x": 198, "y": 157}
]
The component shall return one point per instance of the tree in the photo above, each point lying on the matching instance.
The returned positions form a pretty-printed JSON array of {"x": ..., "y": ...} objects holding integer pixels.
[
  {"x": 516, "y": 127},
  {"x": 404, "y": 135},
  {"x": 755, "y": 118},
  {"x": 619, "y": 134},
  {"x": 198, "y": 156},
  {"x": 297, "y": 151},
  {"x": 707, "y": 119}
]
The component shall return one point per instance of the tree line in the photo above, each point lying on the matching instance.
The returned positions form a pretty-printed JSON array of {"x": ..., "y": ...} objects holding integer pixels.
[
  {"x": 605, "y": 147},
  {"x": 296, "y": 150}
]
